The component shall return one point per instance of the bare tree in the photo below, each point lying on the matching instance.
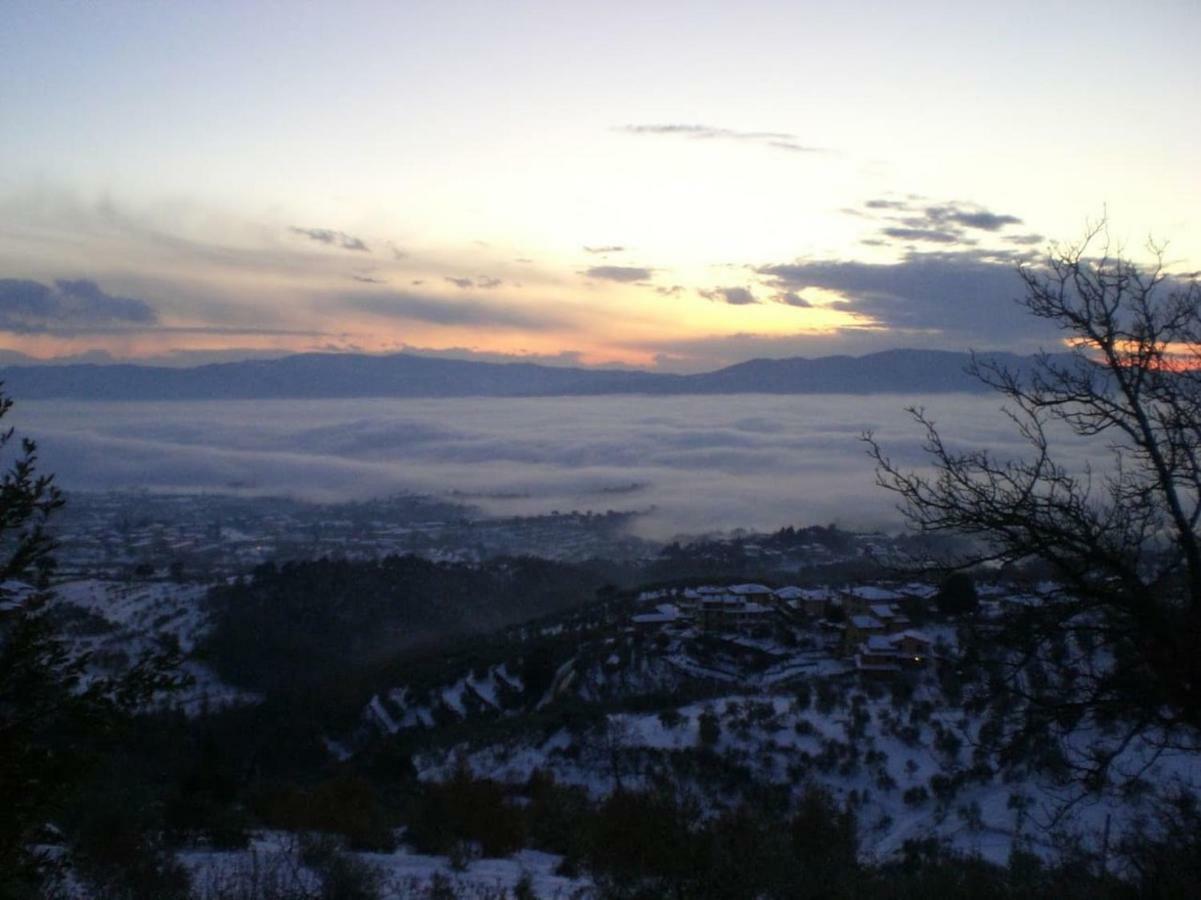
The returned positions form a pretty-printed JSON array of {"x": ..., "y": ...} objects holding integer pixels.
[{"x": 1109, "y": 646}]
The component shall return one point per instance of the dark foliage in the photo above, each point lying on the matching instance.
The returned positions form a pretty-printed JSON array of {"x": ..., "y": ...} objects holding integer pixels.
[
  {"x": 53, "y": 726},
  {"x": 302, "y": 627}
]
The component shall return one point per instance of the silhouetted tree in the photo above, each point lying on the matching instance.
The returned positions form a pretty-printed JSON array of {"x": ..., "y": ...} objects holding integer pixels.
[
  {"x": 49, "y": 717},
  {"x": 1115, "y": 636}
]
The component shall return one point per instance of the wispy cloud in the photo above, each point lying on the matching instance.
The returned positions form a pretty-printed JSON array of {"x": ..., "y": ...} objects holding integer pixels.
[
  {"x": 623, "y": 274},
  {"x": 932, "y": 235},
  {"x": 779, "y": 140},
  {"x": 735, "y": 296},
  {"x": 437, "y": 311},
  {"x": 607, "y": 248},
  {"x": 792, "y": 298},
  {"x": 331, "y": 238},
  {"x": 914, "y": 219},
  {"x": 464, "y": 283}
]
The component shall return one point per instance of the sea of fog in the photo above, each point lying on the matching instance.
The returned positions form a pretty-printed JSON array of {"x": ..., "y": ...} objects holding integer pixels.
[{"x": 695, "y": 463}]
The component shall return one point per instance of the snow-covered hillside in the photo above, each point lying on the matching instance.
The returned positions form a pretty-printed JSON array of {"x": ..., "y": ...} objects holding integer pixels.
[
  {"x": 116, "y": 622},
  {"x": 719, "y": 714}
]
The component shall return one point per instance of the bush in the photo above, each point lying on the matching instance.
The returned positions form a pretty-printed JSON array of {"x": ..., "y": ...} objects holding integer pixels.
[
  {"x": 466, "y": 809},
  {"x": 348, "y": 806}
]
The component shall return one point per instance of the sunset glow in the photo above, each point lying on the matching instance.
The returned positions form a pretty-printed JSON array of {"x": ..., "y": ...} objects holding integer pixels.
[{"x": 661, "y": 186}]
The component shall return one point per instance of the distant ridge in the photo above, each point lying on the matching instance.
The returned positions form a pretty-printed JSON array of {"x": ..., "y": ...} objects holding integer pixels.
[{"x": 334, "y": 375}]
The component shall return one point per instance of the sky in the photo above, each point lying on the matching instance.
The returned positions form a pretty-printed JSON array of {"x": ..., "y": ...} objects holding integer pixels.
[{"x": 675, "y": 186}]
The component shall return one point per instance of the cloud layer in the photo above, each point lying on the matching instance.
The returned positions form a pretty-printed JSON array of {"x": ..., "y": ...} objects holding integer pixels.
[
  {"x": 331, "y": 238},
  {"x": 915, "y": 220},
  {"x": 701, "y": 463},
  {"x": 624, "y": 274},
  {"x": 779, "y": 140},
  {"x": 968, "y": 297},
  {"x": 68, "y": 307},
  {"x": 437, "y": 311}
]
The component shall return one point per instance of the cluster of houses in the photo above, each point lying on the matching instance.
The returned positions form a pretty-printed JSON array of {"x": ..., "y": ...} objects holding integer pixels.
[{"x": 865, "y": 620}]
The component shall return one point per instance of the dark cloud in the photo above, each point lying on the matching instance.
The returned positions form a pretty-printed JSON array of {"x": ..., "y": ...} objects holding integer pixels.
[
  {"x": 30, "y": 307},
  {"x": 792, "y": 298},
  {"x": 967, "y": 297},
  {"x": 735, "y": 296},
  {"x": 462, "y": 283},
  {"x": 397, "y": 253},
  {"x": 970, "y": 217},
  {"x": 623, "y": 274},
  {"x": 780, "y": 140},
  {"x": 487, "y": 282},
  {"x": 447, "y": 312},
  {"x": 608, "y": 248},
  {"x": 670, "y": 291},
  {"x": 1025, "y": 240},
  {"x": 922, "y": 234},
  {"x": 367, "y": 279},
  {"x": 339, "y": 239},
  {"x": 913, "y": 219}
]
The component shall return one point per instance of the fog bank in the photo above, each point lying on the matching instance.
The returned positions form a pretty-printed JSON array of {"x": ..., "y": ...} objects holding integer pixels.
[{"x": 701, "y": 463}]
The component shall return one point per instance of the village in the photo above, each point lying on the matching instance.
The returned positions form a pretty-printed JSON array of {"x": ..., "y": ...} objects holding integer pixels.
[{"x": 866, "y": 625}]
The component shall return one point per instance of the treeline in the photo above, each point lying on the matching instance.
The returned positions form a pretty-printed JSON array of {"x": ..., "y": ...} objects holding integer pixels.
[{"x": 297, "y": 627}]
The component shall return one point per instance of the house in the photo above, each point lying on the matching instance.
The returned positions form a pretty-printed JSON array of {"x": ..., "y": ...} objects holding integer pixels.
[
  {"x": 877, "y": 656},
  {"x": 894, "y": 620},
  {"x": 811, "y": 602},
  {"x": 858, "y": 629},
  {"x": 664, "y": 614},
  {"x": 884, "y": 655},
  {"x": 757, "y": 593},
  {"x": 731, "y": 612},
  {"x": 859, "y": 600},
  {"x": 913, "y": 647}
]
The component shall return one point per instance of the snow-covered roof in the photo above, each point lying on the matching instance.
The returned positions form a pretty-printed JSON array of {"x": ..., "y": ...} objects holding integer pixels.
[
  {"x": 866, "y": 622},
  {"x": 883, "y": 611},
  {"x": 873, "y": 592},
  {"x": 722, "y": 600},
  {"x": 745, "y": 589},
  {"x": 790, "y": 593},
  {"x": 878, "y": 643}
]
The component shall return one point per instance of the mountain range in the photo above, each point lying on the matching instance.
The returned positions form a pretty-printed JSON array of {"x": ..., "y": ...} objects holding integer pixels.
[{"x": 334, "y": 375}]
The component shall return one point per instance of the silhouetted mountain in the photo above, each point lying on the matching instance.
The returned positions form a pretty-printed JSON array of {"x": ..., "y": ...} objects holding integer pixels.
[{"x": 326, "y": 375}]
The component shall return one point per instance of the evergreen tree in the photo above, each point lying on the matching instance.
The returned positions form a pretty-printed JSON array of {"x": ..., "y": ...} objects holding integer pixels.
[{"x": 52, "y": 716}]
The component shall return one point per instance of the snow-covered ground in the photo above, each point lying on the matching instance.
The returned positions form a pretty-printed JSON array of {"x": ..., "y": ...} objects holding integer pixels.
[
  {"x": 118, "y": 621},
  {"x": 400, "y": 874}
]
